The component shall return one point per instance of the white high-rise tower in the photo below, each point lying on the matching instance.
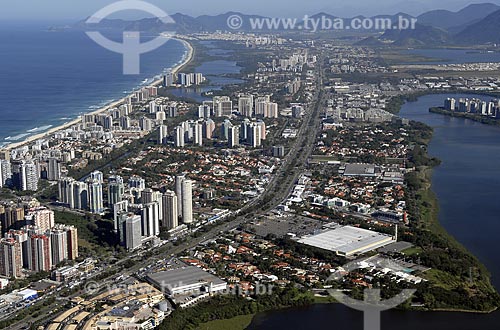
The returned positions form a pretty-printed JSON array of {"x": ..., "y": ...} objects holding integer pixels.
[
  {"x": 187, "y": 201},
  {"x": 178, "y": 190}
]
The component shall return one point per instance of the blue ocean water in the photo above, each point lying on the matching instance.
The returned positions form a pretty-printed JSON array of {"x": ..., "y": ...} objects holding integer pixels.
[{"x": 48, "y": 78}]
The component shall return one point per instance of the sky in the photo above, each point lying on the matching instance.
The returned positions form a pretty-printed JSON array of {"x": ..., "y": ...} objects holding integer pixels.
[{"x": 74, "y": 10}]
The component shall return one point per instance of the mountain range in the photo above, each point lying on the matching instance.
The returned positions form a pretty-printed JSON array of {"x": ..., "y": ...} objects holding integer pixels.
[{"x": 474, "y": 24}]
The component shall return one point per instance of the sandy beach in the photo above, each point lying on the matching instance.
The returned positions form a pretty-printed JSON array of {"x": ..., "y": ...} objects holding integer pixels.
[{"x": 114, "y": 104}]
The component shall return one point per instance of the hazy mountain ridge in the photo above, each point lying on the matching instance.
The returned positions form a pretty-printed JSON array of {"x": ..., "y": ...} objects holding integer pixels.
[
  {"x": 485, "y": 31},
  {"x": 474, "y": 24},
  {"x": 422, "y": 35},
  {"x": 446, "y": 19}
]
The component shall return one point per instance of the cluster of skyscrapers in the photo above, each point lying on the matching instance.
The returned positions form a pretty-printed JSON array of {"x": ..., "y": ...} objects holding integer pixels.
[
  {"x": 83, "y": 195},
  {"x": 193, "y": 132},
  {"x": 118, "y": 119},
  {"x": 183, "y": 79},
  {"x": 139, "y": 213},
  {"x": 37, "y": 247},
  {"x": 477, "y": 106},
  {"x": 25, "y": 174},
  {"x": 163, "y": 111},
  {"x": 251, "y": 133},
  {"x": 142, "y": 218},
  {"x": 248, "y": 106}
]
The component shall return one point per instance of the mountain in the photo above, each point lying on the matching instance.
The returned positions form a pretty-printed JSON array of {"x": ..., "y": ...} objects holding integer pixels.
[
  {"x": 485, "y": 31},
  {"x": 145, "y": 24},
  {"x": 188, "y": 24},
  {"x": 478, "y": 23},
  {"x": 422, "y": 35},
  {"x": 323, "y": 14},
  {"x": 220, "y": 22},
  {"x": 446, "y": 19},
  {"x": 370, "y": 41},
  {"x": 183, "y": 24}
]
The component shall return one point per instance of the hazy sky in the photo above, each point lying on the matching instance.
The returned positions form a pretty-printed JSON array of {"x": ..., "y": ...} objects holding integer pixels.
[{"x": 78, "y": 9}]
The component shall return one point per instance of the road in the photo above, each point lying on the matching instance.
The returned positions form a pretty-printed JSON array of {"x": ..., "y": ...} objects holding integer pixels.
[{"x": 278, "y": 189}]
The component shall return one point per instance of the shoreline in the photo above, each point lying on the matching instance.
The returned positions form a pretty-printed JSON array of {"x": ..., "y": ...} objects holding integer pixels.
[
  {"x": 464, "y": 115},
  {"x": 33, "y": 138},
  {"x": 435, "y": 223}
]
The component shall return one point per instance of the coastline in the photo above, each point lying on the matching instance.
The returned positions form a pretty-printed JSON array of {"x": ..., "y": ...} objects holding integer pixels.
[
  {"x": 474, "y": 117},
  {"x": 430, "y": 206},
  {"x": 30, "y": 139}
]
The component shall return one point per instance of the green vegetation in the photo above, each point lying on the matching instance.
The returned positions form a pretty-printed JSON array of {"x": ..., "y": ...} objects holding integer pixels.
[
  {"x": 472, "y": 116},
  {"x": 95, "y": 237},
  {"x": 236, "y": 323},
  {"x": 17, "y": 284},
  {"x": 418, "y": 157},
  {"x": 457, "y": 281},
  {"x": 228, "y": 307},
  {"x": 394, "y": 57},
  {"x": 110, "y": 160},
  {"x": 412, "y": 251},
  {"x": 31, "y": 312},
  {"x": 395, "y": 103}
]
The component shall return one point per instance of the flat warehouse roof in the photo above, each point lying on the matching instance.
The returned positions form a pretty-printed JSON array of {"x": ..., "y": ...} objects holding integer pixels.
[
  {"x": 347, "y": 240},
  {"x": 360, "y": 170}
]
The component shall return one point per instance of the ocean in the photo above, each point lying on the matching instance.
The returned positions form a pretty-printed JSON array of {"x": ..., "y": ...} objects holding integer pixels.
[{"x": 48, "y": 78}]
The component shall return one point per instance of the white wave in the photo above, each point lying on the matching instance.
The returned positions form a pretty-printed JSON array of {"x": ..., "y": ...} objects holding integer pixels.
[
  {"x": 17, "y": 137},
  {"x": 39, "y": 129}
]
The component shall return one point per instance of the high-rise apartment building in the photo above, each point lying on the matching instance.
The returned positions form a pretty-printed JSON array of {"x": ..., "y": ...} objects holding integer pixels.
[
  {"x": 25, "y": 175},
  {"x": 233, "y": 136},
  {"x": 150, "y": 219},
  {"x": 11, "y": 261},
  {"x": 116, "y": 190},
  {"x": 39, "y": 253},
  {"x": 178, "y": 191},
  {"x": 96, "y": 204},
  {"x": 245, "y": 106},
  {"x": 170, "y": 210},
  {"x": 187, "y": 201},
  {"x": 131, "y": 229},
  {"x": 53, "y": 169},
  {"x": 43, "y": 218}
]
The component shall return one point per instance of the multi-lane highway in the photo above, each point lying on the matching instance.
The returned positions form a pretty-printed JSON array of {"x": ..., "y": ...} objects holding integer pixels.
[{"x": 278, "y": 189}]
